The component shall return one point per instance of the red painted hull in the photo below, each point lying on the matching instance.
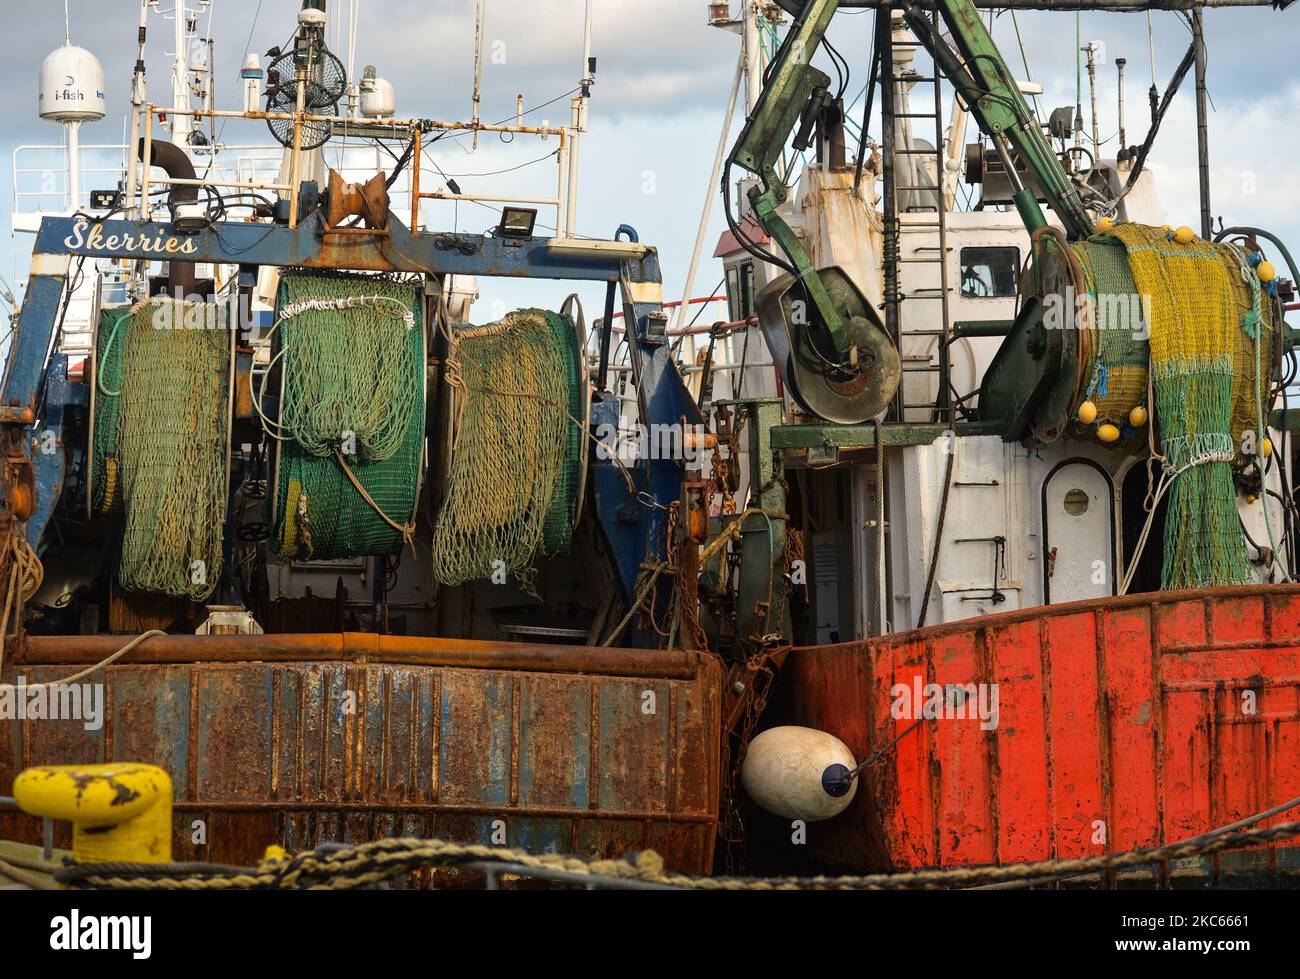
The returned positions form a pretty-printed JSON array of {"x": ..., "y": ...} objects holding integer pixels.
[{"x": 1121, "y": 723}]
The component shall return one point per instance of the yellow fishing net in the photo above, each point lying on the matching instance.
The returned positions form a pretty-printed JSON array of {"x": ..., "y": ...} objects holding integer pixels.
[
  {"x": 511, "y": 485},
  {"x": 1204, "y": 314},
  {"x": 163, "y": 407}
]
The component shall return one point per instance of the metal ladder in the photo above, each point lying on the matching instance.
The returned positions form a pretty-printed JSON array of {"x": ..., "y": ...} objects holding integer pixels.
[{"x": 941, "y": 409}]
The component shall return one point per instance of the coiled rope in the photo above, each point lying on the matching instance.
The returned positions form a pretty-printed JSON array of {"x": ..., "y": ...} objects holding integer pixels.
[{"x": 26, "y": 575}]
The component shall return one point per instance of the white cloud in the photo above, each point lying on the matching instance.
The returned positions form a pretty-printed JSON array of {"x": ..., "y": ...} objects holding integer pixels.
[{"x": 662, "y": 82}]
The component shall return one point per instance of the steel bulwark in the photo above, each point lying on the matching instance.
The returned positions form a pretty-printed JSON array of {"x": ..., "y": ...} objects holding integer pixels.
[
  {"x": 303, "y": 740},
  {"x": 1122, "y": 723}
]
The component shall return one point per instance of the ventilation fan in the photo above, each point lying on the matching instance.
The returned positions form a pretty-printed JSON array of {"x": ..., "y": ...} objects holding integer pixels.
[{"x": 324, "y": 84}]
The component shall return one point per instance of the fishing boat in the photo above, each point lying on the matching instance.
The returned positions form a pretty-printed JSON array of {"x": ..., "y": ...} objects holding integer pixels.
[
  {"x": 960, "y": 541},
  {"x": 478, "y": 719},
  {"x": 1027, "y": 679}
]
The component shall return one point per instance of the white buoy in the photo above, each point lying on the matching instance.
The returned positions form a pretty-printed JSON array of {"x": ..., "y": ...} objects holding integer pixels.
[{"x": 799, "y": 773}]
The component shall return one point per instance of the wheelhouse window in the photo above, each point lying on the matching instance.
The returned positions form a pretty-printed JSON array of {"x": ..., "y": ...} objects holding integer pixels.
[{"x": 989, "y": 272}]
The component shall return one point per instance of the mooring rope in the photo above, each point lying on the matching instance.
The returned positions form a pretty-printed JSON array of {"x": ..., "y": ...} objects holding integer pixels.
[{"x": 369, "y": 864}]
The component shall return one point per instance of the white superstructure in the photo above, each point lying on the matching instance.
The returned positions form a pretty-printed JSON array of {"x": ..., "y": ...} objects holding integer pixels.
[{"x": 1020, "y": 526}]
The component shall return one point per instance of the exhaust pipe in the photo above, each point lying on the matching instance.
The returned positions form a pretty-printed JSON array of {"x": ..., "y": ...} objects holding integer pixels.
[{"x": 171, "y": 159}]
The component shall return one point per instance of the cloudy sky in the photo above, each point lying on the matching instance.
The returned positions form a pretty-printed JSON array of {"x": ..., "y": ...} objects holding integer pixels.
[{"x": 662, "y": 84}]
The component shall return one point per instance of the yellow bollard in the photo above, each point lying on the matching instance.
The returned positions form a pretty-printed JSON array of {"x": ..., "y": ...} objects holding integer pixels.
[{"x": 120, "y": 812}]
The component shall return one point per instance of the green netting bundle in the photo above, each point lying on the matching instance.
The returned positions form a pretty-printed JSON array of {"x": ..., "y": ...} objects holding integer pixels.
[
  {"x": 560, "y": 518},
  {"x": 1188, "y": 314},
  {"x": 161, "y": 442},
  {"x": 351, "y": 427},
  {"x": 512, "y": 484},
  {"x": 1116, "y": 377}
]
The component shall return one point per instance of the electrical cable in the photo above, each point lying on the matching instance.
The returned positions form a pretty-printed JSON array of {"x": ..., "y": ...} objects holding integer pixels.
[
  {"x": 841, "y": 67},
  {"x": 1140, "y": 160},
  {"x": 872, "y": 78},
  {"x": 938, "y": 531}
]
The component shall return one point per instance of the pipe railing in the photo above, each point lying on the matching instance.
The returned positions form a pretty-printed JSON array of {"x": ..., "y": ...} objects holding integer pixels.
[{"x": 416, "y": 128}]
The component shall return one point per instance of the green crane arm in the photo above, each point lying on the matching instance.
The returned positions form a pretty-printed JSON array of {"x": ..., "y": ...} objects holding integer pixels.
[
  {"x": 842, "y": 365},
  {"x": 978, "y": 73},
  {"x": 796, "y": 93}
]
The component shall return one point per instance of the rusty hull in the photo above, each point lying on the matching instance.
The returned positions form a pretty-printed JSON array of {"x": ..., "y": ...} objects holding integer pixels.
[
  {"x": 1123, "y": 723},
  {"x": 305, "y": 739}
]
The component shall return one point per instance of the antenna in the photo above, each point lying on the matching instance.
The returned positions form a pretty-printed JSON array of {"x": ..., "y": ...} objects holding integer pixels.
[
  {"x": 354, "y": 20},
  {"x": 480, "y": 14},
  {"x": 1154, "y": 95},
  {"x": 1091, "y": 50},
  {"x": 1123, "y": 136},
  {"x": 67, "y": 25}
]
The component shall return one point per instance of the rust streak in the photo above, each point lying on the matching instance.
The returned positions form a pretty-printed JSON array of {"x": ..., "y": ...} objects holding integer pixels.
[{"x": 514, "y": 741}]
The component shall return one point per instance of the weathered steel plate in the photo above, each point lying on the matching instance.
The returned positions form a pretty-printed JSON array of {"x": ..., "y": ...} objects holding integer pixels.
[
  {"x": 1122, "y": 723},
  {"x": 301, "y": 740}
]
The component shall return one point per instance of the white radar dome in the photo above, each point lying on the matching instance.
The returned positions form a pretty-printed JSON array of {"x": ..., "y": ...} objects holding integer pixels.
[{"x": 72, "y": 86}]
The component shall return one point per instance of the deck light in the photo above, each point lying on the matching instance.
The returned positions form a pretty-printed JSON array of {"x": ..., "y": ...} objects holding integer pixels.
[{"x": 517, "y": 222}]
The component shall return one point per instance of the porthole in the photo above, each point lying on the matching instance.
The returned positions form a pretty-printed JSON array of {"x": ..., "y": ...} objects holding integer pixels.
[{"x": 1076, "y": 502}]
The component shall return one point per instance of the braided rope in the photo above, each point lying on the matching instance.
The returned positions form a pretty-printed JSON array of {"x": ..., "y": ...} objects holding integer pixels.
[{"x": 373, "y": 863}]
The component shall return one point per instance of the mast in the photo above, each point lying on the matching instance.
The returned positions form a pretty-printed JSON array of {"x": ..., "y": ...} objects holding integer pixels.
[
  {"x": 1091, "y": 49},
  {"x": 753, "y": 55},
  {"x": 181, "y": 125},
  {"x": 1202, "y": 123},
  {"x": 480, "y": 12},
  {"x": 74, "y": 131},
  {"x": 579, "y": 122}
]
